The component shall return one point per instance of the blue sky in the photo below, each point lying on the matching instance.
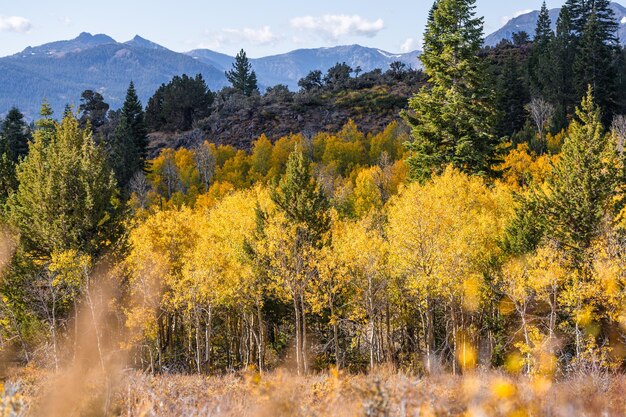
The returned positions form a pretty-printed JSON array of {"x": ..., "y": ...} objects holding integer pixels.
[{"x": 261, "y": 27}]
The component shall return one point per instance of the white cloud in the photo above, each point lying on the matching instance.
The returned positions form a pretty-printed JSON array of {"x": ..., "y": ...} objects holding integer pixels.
[
  {"x": 408, "y": 45},
  {"x": 505, "y": 19},
  {"x": 261, "y": 36},
  {"x": 14, "y": 24},
  {"x": 335, "y": 27}
]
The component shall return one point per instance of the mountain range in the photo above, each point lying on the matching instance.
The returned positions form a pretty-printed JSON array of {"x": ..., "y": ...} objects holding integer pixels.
[
  {"x": 60, "y": 71},
  {"x": 527, "y": 22}
]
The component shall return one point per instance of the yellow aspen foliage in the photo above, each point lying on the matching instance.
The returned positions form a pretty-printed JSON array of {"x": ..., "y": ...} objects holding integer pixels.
[
  {"x": 217, "y": 191},
  {"x": 235, "y": 170},
  {"x": 261, "y": 159},
  {"x": 445, "y": 232},
  {"x": 390, "y": 142},
  {"x": 283, "y": 147},
  {"x": 290, "y": 262},
  {"x": 333, "y": 280},
  {"x": 367, "y": 192},
  {"x": 555, "y": 142},
  {"x": 159, "y": 246},
  {"x": 70, "y": 271},
  {"x": 217, "y": 270},
  {"x": 520, "y": 168},
  {"x": 223, "y": 153}
]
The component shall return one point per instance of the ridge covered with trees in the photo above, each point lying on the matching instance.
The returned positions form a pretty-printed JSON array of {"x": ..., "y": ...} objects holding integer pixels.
[{"x": 484, "y": 229}]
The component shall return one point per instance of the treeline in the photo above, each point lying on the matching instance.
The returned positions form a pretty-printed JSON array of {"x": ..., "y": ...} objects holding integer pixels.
[
  {"x": 551, "y": 72},
  {"x": 433, "y": 244}
]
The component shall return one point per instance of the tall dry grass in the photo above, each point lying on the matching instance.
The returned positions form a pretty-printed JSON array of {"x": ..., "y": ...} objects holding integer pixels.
[{"x": 383, "y": 393}]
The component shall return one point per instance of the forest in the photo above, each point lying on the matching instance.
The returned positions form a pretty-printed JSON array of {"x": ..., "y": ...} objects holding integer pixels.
[{"x": 463, "y": 255}]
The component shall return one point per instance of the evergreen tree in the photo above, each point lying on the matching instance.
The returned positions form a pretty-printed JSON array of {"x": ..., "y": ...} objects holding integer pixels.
[
  {"x": 520, "y": 38},
  {"x": 93, "y": 108},
  {"x": 452, "y": 118},
  {"x": 513, "y": 96},
  {"x": 46, "y": 122},
  {"x": 540, "y": 62},
  {"x": 577, "y": 10},
  {"x": 312, "y": 82},
  {"x": 595, "y": 61},
  {"x": 15, "y": 135},
  {"x": 302, "y": 200},
  {"x": 66, "y": 194},
  {"x": 338, "y": 76},
  {"x": 177, "y": 105},
  {"x": 507, "y": 64},
  {"x": 241, "y": 76},
  {"x": 8, "y": 180},
  {"x": 583, "y": 185},
  {"x": 128, "y": 148},
  {"x": 563, "y": 51},
  {"x": 581, "y": 10},
  {"x": 14, "y": 138}
]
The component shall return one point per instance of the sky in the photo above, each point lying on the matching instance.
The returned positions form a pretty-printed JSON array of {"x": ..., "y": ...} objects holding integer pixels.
[{"x": 262, "y": 28}]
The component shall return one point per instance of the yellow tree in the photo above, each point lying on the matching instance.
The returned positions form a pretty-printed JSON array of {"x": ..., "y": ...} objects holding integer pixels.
[
  {"x": 291, "y": 239},
  {"x": 218, "y": 271},
  {"x": 261, "y": 158},
  {"x": 368, "y": 194},
  {"x": 362, "y": 251},
  {"x": 158, "y": 249},
  {"x": 443, "y": 235}
]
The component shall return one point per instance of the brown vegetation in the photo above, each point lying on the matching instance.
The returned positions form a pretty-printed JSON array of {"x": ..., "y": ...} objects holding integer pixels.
[{"x": 382, "y": 393}]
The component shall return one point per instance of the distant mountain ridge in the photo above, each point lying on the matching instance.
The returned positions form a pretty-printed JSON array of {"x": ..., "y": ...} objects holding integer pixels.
[
  {"x": 290, "y": 67},
  {"x": 60, "y": 71},
  {"x": 528, "y": 21}
]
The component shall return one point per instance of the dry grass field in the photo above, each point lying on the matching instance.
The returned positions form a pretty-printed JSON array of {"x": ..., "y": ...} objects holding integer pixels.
[{"x": 280, "y": 393}]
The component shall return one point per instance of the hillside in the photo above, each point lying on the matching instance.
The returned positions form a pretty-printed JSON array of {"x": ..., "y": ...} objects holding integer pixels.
[
  {"x": 373, "y": 100},
  {"x": 60, "y": 71},
  {"x": 528, "y": 21}
]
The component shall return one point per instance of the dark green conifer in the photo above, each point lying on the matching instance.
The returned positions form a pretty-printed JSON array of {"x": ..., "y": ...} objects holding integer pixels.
[{"x": 452, "y": 119}]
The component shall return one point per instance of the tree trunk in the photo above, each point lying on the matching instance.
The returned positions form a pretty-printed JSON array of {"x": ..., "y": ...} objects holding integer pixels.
[
  {"x": 335, "y": 337},
  {"x": 208, "y": 333},
  {"x": 296, "y": 307},
  {"x": 261, "y": 341},
  {"x": 305, "y": 365}
]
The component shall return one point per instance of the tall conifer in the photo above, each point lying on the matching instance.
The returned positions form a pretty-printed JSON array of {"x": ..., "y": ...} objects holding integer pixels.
[{"x": 452, "y": 118}]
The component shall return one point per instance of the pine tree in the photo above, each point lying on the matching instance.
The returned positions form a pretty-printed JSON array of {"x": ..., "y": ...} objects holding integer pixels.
[
  {"x": 93, "y": 109},
  {"x": 543, "y": 30},
  {"x": 583, "y": 185},
  {"x": 14, "y": 138},
  {"x": 512, "y": 94},
  {"x": 563, "y": 51},
  {"x": 128, "y": 148},
  {"x": 302, "y": 200},
  {"x": 577, "y": 10},
  {"x": 539, "y": 62},
  {"x": 46, "y": 122},
  {"x": 452, "y": 118},
  {"x": 581, "y": 10},
  {"x": 241, "y": 76},
  {"x": 15, "y": 135},
  {"x": 595, "y": 61},
  {"x": 177, "y": 105},
  {"x": 66, "y": 194}
]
